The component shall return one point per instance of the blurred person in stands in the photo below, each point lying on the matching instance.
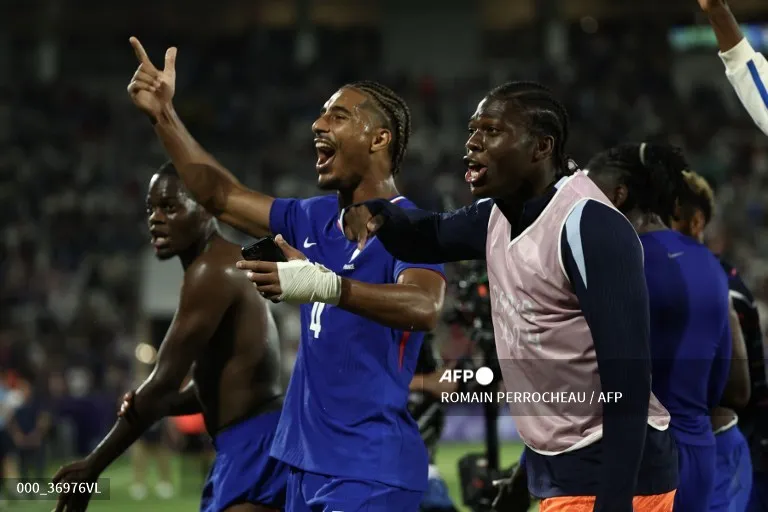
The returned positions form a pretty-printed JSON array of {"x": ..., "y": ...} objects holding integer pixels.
[
  {"x": 223, "y": 332},
  {"x": 28, "y": 428},
  {"x": 345, "y": 429},
  {"x": 740, "y": 481},
  {"x": 746, "y": 69},
  {"x": 152, "y": 446}
]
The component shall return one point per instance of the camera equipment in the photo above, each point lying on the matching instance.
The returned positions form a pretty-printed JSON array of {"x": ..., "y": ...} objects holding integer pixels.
[{"x": 473, "y": 312}]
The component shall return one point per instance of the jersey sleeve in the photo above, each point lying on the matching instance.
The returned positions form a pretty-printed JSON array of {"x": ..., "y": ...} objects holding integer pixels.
[
  {"x": 747, "y": 71},
  {"x": 428, "y": 237},
  {"x": 603, "y": 259},
  {"x": 283, "y": 217}
]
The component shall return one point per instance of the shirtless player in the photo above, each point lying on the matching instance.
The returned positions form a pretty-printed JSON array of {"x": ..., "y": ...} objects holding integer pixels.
[{"x": 224, "y": 328}]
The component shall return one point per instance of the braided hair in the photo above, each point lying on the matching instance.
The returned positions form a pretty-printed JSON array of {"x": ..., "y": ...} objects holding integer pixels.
[
  {"x": 396, "y": 114},
  {"x": 652, "y": 173},
  {"x": 544, "y": 115}
]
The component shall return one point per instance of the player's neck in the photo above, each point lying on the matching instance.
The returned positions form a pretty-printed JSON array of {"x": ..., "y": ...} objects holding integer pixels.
[
  {"x": 512, "y": 205},
  {"x": 367, "y": 190},
  {"x": 195, "y": 250},
  {"x": 645, "y": 222}
]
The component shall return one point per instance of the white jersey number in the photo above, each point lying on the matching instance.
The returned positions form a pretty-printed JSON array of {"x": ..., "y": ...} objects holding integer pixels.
[{"x": 314, "y": 318}]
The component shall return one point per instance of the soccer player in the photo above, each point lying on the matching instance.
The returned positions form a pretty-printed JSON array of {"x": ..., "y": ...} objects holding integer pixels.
[
  {"x": 733, "y": 451},
  {"x": 688, "y": 294},
  {"x": 224, "y": 330},
  {"x": 345, "y": 429},
  {"x": 746, "y": 69},
  {"x": 570, "y": 304}
]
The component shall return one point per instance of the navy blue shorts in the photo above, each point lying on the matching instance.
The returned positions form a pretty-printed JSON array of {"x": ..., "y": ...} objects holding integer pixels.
[
  {"x": 697, "y": 477},
  {"x": 243, "y": 471},
  {"x": 733, "y": 476},
  {"x": 310, "y": 492}
]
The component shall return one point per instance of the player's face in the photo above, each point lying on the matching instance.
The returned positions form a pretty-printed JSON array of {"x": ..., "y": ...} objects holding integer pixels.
[
  {"x": 345, "y": 135},
  {"x": 176, "y": 222},
  {"x": 499, "y": 151}
]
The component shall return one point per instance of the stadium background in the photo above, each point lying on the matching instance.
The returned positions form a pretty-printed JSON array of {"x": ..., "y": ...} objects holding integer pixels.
[{"x": 83, "y": 304}]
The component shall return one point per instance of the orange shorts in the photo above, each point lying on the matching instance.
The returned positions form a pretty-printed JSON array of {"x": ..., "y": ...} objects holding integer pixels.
[{"x": 653, "y": 503}]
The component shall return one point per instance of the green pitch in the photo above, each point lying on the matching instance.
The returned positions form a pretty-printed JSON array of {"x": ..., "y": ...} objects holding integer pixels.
[{"x": 190, "y": 480}]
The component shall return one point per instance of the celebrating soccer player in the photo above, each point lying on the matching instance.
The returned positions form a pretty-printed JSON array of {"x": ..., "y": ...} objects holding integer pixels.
[
  {"x": 567, "y": 284},
  {"x": 746, "y": 69},
  {"x": 735, "y": 486},
  {"x": 345, "y": 429},
  {"x": 224, "y": 327}
]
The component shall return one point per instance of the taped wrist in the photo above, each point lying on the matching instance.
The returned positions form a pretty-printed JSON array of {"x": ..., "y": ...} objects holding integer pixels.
[{"x": 303, "y": 282}]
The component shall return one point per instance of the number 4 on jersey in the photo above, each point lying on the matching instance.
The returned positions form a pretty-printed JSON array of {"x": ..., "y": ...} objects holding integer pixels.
[{"x": 314, "y": 320}]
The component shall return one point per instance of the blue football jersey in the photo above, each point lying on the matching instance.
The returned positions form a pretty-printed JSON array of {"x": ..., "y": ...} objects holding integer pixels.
[
  {"x": 690, "y": 333},
  {"x": 345, "y": 412}
]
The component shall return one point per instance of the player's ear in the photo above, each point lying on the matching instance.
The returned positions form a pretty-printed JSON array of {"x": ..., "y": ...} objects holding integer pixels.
[
  {"x": 620, "y": 194},
  {"x": 543, "y": 148},
  {"x": 697, "y": 222},
  {"x": 381, "y": 140}
]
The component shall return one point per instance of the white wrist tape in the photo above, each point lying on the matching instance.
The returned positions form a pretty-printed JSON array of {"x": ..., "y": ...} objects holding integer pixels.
[{"x": 303, "y": 282}]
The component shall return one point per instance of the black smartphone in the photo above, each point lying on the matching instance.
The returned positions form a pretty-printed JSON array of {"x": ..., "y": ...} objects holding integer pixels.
[{"x": 263, "y": 249}]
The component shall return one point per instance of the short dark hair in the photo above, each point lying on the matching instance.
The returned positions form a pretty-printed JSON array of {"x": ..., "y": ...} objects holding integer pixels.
[
  {"x": 652, "y": 173},
  {"x": 396, "y": 114},
  {"x": 544, "y": 115}
]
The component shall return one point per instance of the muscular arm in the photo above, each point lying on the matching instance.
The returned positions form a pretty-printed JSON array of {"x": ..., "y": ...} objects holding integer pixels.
[
  {"x": 210, "y": 183},
  {"x": 413, "y": 304},
  {"x": 746, "y": 69},
  {"x": 205, "y": 297},
  {"x": 419, "y": 236},
  {"x": 737, "y": 386},
  {"x": 604, "y": 262}
]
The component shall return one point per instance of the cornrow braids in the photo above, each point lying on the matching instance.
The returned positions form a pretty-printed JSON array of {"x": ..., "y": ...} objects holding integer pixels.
[
  {"x": 396, "y": 114},
  {"x": 652, "y": 173},
  {"x": 544, "y": 115}
]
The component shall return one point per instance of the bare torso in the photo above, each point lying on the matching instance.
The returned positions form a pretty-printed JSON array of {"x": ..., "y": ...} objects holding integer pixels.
[{"x": 238, "y": 373}]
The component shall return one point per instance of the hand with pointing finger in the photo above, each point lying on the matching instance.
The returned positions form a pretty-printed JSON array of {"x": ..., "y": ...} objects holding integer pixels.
[{"x": 152, "y": 89}]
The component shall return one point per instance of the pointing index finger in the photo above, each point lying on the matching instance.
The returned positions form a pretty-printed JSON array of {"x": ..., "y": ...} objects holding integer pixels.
[{"x": 141, "y": 54}]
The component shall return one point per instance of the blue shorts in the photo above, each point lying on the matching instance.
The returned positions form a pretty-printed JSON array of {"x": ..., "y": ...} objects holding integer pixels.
[
  {"x": 243, "y": 471},
  {"x": 758, "y": 497},
  {"x": 310, "y": 492},
  {"x": 733, "y": 477},
  {"x": 697, "y": 477}
]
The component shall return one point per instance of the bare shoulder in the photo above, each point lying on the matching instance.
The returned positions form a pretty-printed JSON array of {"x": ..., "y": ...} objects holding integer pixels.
[{"x": 212, "y": 274}]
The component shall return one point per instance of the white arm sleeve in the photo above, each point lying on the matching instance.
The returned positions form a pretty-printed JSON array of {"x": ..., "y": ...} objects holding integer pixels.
[{"x": 747, "y": 71}]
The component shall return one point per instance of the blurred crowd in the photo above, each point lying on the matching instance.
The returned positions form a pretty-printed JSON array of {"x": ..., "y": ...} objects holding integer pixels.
[{"x": 75, "y": 158}]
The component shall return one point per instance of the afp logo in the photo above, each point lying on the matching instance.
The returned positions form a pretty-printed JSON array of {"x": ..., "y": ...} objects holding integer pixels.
[{"x": 482, "y": 376}]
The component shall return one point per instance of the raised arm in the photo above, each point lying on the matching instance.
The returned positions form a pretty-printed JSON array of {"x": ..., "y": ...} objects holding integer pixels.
[
  {"x": 604, "y": 262},
  {"x": 419, "y": 236},
  {"x": 205, "y": 297},
  {"x": 746, "y": 69},
  {"x": 212, "y": 185}
]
